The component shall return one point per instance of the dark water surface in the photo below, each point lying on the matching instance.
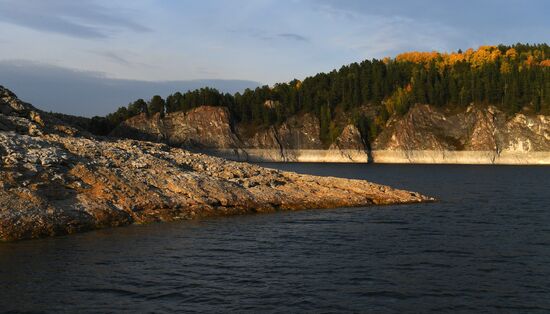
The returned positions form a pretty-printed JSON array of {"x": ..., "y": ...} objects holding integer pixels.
[{"x": 485, "y": 247}]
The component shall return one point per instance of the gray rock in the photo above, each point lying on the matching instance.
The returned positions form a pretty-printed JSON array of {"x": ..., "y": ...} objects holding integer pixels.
[{"x": 56, "y": 183}]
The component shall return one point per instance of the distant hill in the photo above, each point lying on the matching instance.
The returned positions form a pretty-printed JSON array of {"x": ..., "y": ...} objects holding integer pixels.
[
  {"x": 489, "y": 105},
  {"x": 512, "y": 78}
]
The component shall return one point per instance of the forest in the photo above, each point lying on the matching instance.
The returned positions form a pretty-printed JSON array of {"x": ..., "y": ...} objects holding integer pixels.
[{"x": 513, "y": 78}]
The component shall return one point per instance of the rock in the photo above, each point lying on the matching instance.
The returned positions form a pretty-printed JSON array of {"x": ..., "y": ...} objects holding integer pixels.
[
  {"x": 478, "y": 128},
  {"x": 422, "y": 130},
  {"x": 34, "y": 130},
  {"x": 210, "y": 127},
  {"x": 23, "y": 118},
  {"x": 35, "y": 117},
  {"x": 93, "y": 193},
  {"x": 350, "y": 138},
  {"x": 54, "y": 183},
  {"x": 202, "y": 127}
]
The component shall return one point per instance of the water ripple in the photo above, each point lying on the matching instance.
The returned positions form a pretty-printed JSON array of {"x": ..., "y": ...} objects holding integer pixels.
[{"x": 483, "y": 248}]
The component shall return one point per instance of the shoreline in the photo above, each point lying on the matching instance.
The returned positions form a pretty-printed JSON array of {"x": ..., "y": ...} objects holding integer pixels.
[
  {"x": 56, "y": 185},
  {"x": 383, "y": 156},
  {"x": 57, "y": 180}
]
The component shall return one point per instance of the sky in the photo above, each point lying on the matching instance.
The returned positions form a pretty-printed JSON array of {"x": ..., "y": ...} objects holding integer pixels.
[{"x": 160, "y": 46}]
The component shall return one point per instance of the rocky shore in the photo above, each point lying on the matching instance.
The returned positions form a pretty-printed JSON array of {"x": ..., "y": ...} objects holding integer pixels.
[
  {"x": 56, "y": 179},
  {"x": 470, "y": 157}
]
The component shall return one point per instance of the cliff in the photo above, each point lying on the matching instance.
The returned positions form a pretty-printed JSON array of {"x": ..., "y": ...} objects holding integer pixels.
[
  {"x": 477, "y": 135},
  {"x": 57, "y": 179},
  {"x": 475, "y": 129},
  {"x": 211, "y": 129},
  {"x": 204, "y": 127},
  {"x": 425, "y": 134}
]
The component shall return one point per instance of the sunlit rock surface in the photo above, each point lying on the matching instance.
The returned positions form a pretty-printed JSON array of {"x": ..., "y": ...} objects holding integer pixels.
[
  {"x": 426, "y": 134},
  {"x": 56, "y": 179}
]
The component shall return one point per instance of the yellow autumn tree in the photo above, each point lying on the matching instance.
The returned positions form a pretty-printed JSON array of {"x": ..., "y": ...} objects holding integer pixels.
[
  {"x": 454, "y": 58},
  {"x": 511, "y": 54},
  {"x": 418, "y": 56},
  {"x": 483, "y": 55},
  {"x": 530, "y": 61}
]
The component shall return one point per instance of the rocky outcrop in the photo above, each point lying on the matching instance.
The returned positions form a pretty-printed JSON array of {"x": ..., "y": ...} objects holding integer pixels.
[
  {"x": 298, "y": 139},
  {"x": 349, "y": 139},
  {"x": 210, "y": 129},
  {"x": 525, "y": 134},
  {"x": 23, "y": 118},
  {"x": 478, "y": 134},
  {"x": 53, "y": 182},
  {"x": 203, "y": 127},
  {"x": 477, "y": 129}
]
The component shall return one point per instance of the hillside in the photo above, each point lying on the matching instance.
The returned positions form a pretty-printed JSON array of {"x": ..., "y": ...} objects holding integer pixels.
[{"x": 489, "y": 105}]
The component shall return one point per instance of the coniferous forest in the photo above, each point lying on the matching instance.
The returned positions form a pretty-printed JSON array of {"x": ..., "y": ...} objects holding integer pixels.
[{"x": 512, "y": 78}]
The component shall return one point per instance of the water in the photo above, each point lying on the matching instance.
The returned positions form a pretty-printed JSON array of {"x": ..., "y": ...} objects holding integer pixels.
[{"x": 485, "y": 247}]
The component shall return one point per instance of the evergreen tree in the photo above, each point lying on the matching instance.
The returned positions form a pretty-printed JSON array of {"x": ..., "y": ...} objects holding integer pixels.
[
  {"x": 156, "y": 105},
  {"x": 509, "y": 77}
]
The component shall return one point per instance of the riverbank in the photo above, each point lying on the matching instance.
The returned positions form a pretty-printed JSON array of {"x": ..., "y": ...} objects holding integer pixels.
[{"x": 385, "y": 156}]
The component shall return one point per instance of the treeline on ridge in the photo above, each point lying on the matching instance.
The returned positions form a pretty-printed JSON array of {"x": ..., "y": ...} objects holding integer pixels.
[{"x": 512, "y": 78}]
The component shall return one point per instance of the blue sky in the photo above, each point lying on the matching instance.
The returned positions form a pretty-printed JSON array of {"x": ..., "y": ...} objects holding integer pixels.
[{"x": 263, "y": 41}]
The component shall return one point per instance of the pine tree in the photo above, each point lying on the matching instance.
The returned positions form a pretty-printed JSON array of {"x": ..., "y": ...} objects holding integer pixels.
[
  {"x": 156, "y": 105},
  {"x": 509, "y": 77}
]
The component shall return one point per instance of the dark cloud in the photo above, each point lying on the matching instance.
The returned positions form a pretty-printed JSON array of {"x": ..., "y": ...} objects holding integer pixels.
[
  {"x": 82, "y": 19},
  {"x": 68, "y": 91},
  {"x": 292, "y": 36}
]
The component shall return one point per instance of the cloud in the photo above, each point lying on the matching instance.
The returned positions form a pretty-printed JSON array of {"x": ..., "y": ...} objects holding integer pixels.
[
  {"x": 370, "y": 30},
  {"x": 292, "y": 36},
  {"x": 482, "y": 25},
  {"x": 80, "y": 19},
  {"x": 69, "y": 91},
  {"x": 112, "y": 56},
  {"x": 267, "y": 35}
]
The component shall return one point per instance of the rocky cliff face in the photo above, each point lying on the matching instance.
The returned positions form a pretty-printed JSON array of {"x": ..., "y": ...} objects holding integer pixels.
[
  {"x": 475, "y": 135},
  {"x": 204, "y": 127},
  {"x": 476, "y": 129},
  {"x": 55, "y": 179},
  {"x": 298, "y": 132},
  {"x": 211, "y": 129}
]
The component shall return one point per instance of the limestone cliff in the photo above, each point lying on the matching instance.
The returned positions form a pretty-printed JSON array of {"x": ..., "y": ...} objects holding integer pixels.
[
  {"x": 56, "y": 179},
  {"x": 478, "y": 134},
  {"x": 203, "y": 127},
  {"x": 427, "y": 128},
  {"x": 210, "y": 129},
  {"x": 475, "y": 135}
]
